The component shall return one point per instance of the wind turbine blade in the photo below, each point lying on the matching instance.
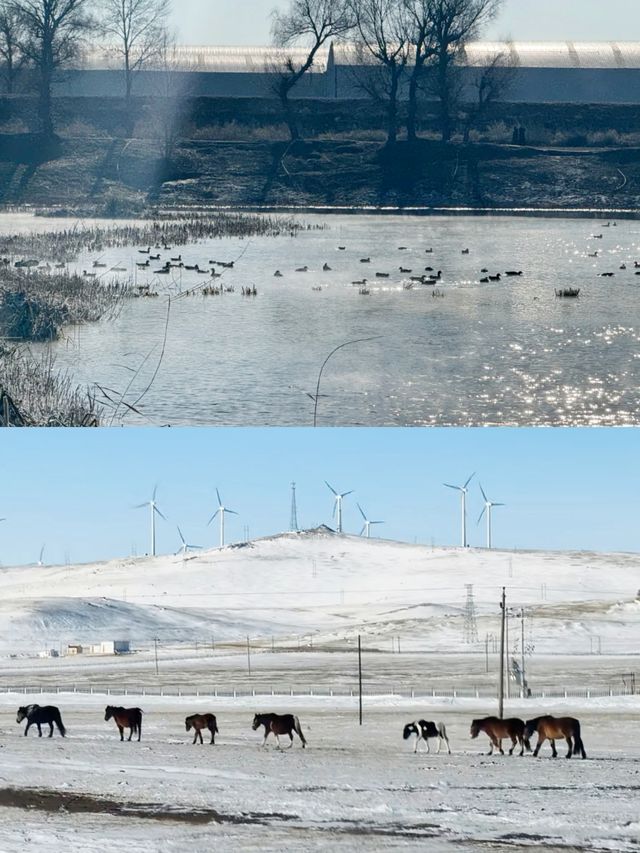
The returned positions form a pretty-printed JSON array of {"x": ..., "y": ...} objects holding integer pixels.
[
  {"x": 364, "y": 527},
  {"x": 155, "y": 490},
  {"x": 481, "y": 514},
  {"x": 376, "y": 522},
  {"x": 361, "y": 511},
  {"x": 180, "y": 535},
  {"x": 219, "y": 498},
  {"x": 140, "y": 506},
  {"x": 344, "y": 494},
  {"x": 457, "y": 488},
  {"x": 232, "y": 511},
  {"x": 160, "y": 513},
  {"x": 498, "y": 504},
  {"x": 483, "y": 494},
  {"x": 469, "y": 480},
  {"x": 212, "y": 517},
  {"x": 332, "y": 489},
  {"x": 335, "y": 504}
]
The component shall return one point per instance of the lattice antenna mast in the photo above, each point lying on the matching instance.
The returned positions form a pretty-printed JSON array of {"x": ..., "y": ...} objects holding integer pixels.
[
  {"x": 293, "y": 522},
  {"x": 470, "y": 620}
]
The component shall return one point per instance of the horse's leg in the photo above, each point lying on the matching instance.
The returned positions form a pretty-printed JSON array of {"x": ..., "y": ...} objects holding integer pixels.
[
  {"x": 291, "y": 739},
  {"x": 131, "y": 730},
  {"x": 266, "y": 735},
  {"x": 277, "y": 739},
  {"x": 541, "y": 740},
  {"x": 554, "y": 751},
  {"x": 499, "y": 745},
  {"x": 195, "y": 736},
  {"x": 26, "y": 731},
  {"x": 570, "y": 745},
  {"x": 514, "y": 741},
  {"x": 492, "y": 745},
  {"x": 427, "y": 742},
  {"x": 521, "y": 741},
  {"x": 415, "y": 748},
  {"x": 121, "y": 730},
  {"x": 39, "y": 729},
  {"x": 213, "y": 735},
  {"x": 50, "y": 729}
]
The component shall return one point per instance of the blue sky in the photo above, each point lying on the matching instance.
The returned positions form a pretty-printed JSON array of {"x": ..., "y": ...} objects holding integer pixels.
[
  {"x": 239, "y": 22},
  {"x": 74, "y": 490}
]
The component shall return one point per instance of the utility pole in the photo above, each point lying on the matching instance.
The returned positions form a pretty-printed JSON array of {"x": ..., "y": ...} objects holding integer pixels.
[
  {"x": 507, "y": 661},
  {"x": 523, "y": 681},
  {"x": 360, "y": 679},
  {"x": 249, "y": 657},
  {"x": 503, "y": 607},
  {"x": 155, "y": 650}
]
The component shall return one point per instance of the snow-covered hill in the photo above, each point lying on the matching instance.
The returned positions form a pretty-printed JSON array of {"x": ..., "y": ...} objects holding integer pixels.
[{"x": 328, "y": 584}]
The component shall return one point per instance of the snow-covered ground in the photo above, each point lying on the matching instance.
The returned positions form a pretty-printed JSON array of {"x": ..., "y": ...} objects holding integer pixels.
[
  {"x": 302, "y": 599},
  {"x": 328, "y": 586},
  {"x": 352, "y": 789}
]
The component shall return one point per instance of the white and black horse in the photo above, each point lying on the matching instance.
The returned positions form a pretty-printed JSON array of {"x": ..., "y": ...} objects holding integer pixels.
[
  {"x": 423, "y": 730},
  {"x": 41, "y": 715}
]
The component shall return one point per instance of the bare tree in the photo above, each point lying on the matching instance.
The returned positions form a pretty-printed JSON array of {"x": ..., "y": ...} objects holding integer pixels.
[
  {"x": 12, "y": 58},
  {"x": 52, "y": 36},
  {"x": 382, "y": 36},
  {"x": 490, "y": 79},
  {"x": 138, "y": 28},
  {"x": 314, "y": 23},
  {"x": 441, "y": 29},
  {"x": 171, "y": 92}
]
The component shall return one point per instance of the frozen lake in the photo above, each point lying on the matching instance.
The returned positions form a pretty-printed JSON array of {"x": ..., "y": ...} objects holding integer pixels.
[
  {"x": 503, "y": 352},
  {"x": 352, "y": 789}
]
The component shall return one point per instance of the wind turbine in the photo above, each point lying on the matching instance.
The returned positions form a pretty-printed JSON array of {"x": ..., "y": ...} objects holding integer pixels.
[
  {"x": 221, "y": 510},
  {"x": 186, "y": 546},
  {"x": 338, "y": 504},
  {"x": 40, "y": 558},
  {"x": 366, "y": 527},
  {"x": 488, "y": 506},
  {"x": 463, "y": 492},
  {"x": 154, "y": 509}
]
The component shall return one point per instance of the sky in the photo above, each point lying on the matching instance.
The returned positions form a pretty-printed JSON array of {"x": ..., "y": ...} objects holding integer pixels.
[
  {"x": 246, "y": 22},
  {"x": 74, "y": 491}
]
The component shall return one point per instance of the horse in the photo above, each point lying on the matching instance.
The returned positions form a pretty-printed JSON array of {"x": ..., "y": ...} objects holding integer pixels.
[
  {"x": 423, "y": 730},
  {"x": 125, "y": 718},
  {"x": 202, "y": 721},
  {"x": 279, "y": 724},
  {"x": 497, "y": 729},
  {"x": 549, "y": 728},
  {"x": 39, "y": 715}
]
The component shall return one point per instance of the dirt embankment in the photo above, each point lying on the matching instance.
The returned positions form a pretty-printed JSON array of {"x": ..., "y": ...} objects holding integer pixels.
[{"x": 119, "y": 174}]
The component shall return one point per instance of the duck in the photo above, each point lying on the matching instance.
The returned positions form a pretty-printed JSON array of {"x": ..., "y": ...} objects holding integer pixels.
[
  {"x": 326, "y": 268},
  {"x": 429, "y": 251},
  {"x": 145, "y": 251},
  {"x": 404, "y": 269},
  {"x": 302, "y": 269},
  {"x": 142, "y": 263},
  {"x": 606, "y": 274},
  {"x": 623, "y": 266},
  {"x": 512, "y": 273},
  {"x": 465, "y": 251},
  {"x": 175, "y": 260},
  {"x": 277, "y": 274},
  {"x": 365, "y": 260},
  {"x": 360, "y": 283},
  {"x": 382, "y": 275},
  {"x": 98, "y": 265},
  {"x": 495, "y": 277},
  {"x": 341, "y": 248}
]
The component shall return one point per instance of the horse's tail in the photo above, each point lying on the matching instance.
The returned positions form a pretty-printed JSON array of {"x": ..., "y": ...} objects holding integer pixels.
[
  {"x": 60, "y": 724},
  {"x": 215, "y": 726},
  {"x": 578, "y": 746},
  {"x": 298, "y": 729}
]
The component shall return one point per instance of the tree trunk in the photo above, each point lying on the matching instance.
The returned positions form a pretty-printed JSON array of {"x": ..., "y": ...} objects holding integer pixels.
[
  {"x": 44, "y": 104},
  {"x": 289, "y": 113},
  {"x": 412, "y": 108},
  {"x": 392, "y": 112},
  {"x": 445, "y": 105}
]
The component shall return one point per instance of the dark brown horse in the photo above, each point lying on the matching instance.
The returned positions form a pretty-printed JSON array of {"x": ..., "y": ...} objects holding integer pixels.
[
  {"x": 199, "y": 722},
  {"x": 279, "y": 724},
  {"x": 552, "y": 729},
  {"x": 125, "y": 718},
  {"x": 497, "y": 729}
]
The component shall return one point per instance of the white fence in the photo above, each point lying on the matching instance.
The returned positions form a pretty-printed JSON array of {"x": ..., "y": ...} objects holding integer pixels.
[{"x": 321, "y": 691}]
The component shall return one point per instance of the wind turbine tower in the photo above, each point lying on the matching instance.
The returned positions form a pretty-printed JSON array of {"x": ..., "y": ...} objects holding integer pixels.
[
  {"x": 337, "y": 506},
  {"x": 366, "y": 527},
  {"x": 293, "y": 521},
  {"x": 153, "y": 506},
  {"x": 221, "y": 511},
  {"x": 488, "y": 506},
  {"x": 463, "y": 494}
]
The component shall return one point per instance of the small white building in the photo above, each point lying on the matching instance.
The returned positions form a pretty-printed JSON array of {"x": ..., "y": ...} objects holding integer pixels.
[
  {"x": 49, "y": 653},
  {"x": 111, "y": 647},
  {"x": 74, "y": 649}
]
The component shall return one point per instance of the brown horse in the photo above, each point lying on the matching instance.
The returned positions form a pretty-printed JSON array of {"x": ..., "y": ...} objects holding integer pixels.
[
  {"x": 202, "y": 721},
  {"x": 125, "y": 718},
  {"x": 279, "y": 724},
  {"x": 552, "y": 728},
  {"x": 497, "y": 729}
]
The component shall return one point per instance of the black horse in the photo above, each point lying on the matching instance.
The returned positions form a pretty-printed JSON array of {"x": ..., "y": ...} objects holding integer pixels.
[
  {"x": 279, "y": 724},
  {"x": 41, "y": 715},
  {"x": 423, "y": 730}
]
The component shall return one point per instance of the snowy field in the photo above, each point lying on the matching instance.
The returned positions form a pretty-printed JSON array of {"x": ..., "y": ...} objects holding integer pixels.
[{"x": 352, "y": 789}]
